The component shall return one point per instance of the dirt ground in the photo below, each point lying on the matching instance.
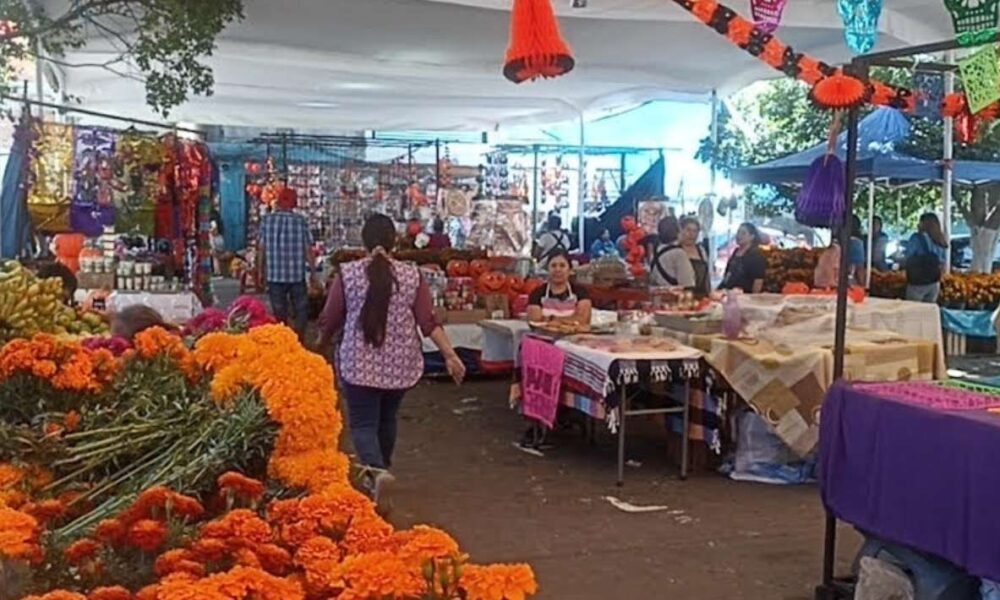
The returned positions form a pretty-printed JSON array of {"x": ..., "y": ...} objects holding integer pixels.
[{"x": 718, "y": 540}]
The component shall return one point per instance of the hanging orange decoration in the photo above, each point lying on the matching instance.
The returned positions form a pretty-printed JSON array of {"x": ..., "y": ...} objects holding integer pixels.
[
  {"x": 953, "y": 105},
  {"x": 537, "y": 48},
  {"x": 840, "y": 91}
]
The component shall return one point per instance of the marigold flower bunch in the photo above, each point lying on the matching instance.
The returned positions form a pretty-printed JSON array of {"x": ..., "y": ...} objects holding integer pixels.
[
  {"x": 249, "y": 540},
  {"x": 68, "y": 366}
]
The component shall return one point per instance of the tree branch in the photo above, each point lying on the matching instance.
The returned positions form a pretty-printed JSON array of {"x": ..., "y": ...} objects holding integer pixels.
[{"x": 65, "y": 20}]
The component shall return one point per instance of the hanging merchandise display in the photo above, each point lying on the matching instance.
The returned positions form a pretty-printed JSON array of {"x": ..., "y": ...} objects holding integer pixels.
[
  {"x": 971, "y": 16},
  {"x": 496, "y": 175},
  {"x": 767, "y": 13},
  {"x": 929, "y": 91},
  {"x": 860, "y": 23},
  {"x": 512, "y": 236},
  {"x": 51, "y": 175},
  {"x": 537, "y": 48},
  {"x": 138, "y": 160},
  {"x": 980, "y": 78},
  {"x": 93, "y": 207},
  {"x": 555, "y": 185}
]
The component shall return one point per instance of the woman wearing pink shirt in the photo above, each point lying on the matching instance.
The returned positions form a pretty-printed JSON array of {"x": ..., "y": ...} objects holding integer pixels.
[{"x": 379, "y": 304}]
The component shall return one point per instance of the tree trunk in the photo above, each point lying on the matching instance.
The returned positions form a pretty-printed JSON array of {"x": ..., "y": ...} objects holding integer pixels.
[
  {"x": 983, "y": 218},
  {"x": 983, "y": 241}
]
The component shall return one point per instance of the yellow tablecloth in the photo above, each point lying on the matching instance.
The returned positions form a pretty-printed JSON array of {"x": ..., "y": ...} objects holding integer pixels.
[{"x": 784, "y": 372}]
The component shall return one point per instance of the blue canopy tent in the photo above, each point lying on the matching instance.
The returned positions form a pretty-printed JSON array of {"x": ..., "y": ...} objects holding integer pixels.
[{"x": 878, "y": 159}]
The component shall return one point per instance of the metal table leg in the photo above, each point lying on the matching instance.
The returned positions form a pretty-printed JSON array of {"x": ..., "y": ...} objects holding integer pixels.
[
  {"x": 686, "y": 433},
  {"x": 623, "y": 417}
]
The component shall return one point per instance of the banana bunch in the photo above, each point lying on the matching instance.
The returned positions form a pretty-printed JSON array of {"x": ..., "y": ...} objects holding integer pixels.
[{"x": 29, "y": 305}]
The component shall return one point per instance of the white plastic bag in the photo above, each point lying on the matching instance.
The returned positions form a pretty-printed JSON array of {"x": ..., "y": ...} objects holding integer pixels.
[{"x": 880, "y": 580}]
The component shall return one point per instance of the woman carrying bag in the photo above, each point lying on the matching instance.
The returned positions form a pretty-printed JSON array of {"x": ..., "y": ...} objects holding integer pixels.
[{"x": 925, "y": 255}]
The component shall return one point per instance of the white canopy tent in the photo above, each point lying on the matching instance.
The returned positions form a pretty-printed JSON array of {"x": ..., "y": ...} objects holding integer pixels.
[{"x": 436, "y": 64}]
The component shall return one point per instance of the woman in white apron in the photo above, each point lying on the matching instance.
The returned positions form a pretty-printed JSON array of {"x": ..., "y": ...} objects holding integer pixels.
[{"x": 558, "y": 300}]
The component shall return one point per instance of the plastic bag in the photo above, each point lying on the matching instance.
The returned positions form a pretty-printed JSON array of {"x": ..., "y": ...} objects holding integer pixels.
[{"x": 880, "y": 580}]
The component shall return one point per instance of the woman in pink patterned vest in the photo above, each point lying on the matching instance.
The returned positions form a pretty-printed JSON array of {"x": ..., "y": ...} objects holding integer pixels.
[{"x": 379, "y": 304}]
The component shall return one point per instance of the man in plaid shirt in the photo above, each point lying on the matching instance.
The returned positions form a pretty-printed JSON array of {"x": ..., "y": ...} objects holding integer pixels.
[{"x": 285, "y": 251}]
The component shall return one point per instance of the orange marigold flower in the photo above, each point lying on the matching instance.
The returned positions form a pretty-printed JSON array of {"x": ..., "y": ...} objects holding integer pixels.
[
  {"x": 209, "y": 549},
  {"x": 273, "y": 558},
  {"x": 186, "y": 507},
  {"x": 366, "y": 534},
  {"x": 81, "y": 551},
  {"x": 10, "y": 476},
  {"x": 241, "y": 486},
  {"x": 46, "y": 511},
  {"x": 246, "y": 557},
  {"x": 72, "y": 421},
  {"x": 157, "y": 340},
  {"x": 110, "y": 593},
  {"x": 423, "y": 543},
  {"x": 19, "y": 533},
  {"x": 147, "y": 534},
  {"x": 379, "y": 575},
  {"x": 110, "y": 531},
  {"x": 498, "y": 582},
  {"x": 239, "y": 526},
  {"x": 178, "y": 561},
  {"x": 319, "y": 558},
  {"x": 58, "y": 595},
  {"x": 53, "y": 430}
]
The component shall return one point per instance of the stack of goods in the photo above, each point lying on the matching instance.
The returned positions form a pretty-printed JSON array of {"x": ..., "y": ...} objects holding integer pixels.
[
  {"x": 29, "y": 305},
  {"x": 888, "y": 284},
  {"x": 970, "y": 291},
  {"x": 605, "y": 271},
  {"x": 635, "y": 250},
  {"x": 205, "y": 472},
  {"x": 794, "y": 265}
]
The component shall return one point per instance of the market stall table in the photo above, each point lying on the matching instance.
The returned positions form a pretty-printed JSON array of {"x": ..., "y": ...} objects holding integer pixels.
[
  {"x": 601, "y": 375},
  {"x": 466, "y": 339},
  {"x": 174, "y": 307},
  {"x": 915, "y": 464}
]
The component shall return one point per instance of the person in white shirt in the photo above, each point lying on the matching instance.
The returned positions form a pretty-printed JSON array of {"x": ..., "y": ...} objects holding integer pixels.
[
  {"x": 553, "y": 240},
  {"x": 670, "y": 265}
]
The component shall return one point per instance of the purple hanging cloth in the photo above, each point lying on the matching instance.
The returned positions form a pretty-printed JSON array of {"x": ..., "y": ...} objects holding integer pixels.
[
  {"x": 93, "y": 173},
  {"x": 821, "y": 201}
]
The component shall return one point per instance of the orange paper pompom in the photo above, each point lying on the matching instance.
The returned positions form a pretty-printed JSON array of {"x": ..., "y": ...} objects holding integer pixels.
[
  {"x": 953, "y": 105},
  {"x": 840, "y": 91}
]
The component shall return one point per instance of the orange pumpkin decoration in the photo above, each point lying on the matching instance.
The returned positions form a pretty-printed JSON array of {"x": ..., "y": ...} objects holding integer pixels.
[
  {"x": 492, "y": 282},
  {"x": 457, "y": 268},
  {"x": 515, "y": 284},
  {"x": 478, "y": 267}
]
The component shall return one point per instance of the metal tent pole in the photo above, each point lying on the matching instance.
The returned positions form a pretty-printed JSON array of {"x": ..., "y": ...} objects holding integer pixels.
[
  {"x": 947, "y": 154},
  {"x": 830, "y": 537},
  {"x": 871, "y": 233},
  {"x": 583, "y": 187},
  {"x": 534, "y": 194}
]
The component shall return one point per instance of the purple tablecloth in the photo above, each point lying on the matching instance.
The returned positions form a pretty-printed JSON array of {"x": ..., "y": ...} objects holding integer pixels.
[{"x": 919, "y": 476}]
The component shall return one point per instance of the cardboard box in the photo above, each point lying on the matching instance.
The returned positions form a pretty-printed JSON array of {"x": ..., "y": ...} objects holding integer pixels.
[
  {"x": 497, "y": 306},
  {"x": 463, "y": 317}
]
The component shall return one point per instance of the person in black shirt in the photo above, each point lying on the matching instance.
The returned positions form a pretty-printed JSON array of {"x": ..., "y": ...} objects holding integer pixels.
[
  {"x": 747, "y": 265},
  {"x": 557, "y": 299}
]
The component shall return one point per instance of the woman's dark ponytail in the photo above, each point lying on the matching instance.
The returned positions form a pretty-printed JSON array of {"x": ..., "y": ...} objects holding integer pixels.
[{"x": 379, "y": 237}]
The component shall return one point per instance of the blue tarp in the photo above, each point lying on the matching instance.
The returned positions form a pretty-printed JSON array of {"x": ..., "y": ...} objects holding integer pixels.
[
  {"x": 15, "y": 224},
  {"x": 877, "y": 158},
  {"x": 971, "y": 323}
]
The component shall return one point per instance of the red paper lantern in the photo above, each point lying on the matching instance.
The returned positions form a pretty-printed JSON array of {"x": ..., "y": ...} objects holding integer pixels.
[{"x": 537, "y": 48}]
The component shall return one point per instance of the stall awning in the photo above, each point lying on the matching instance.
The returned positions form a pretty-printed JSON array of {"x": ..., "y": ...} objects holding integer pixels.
[{"x": 436, "y": 64}]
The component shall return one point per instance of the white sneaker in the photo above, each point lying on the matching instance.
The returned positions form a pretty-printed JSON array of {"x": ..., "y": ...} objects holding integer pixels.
[{"x": 382, "y": 482}]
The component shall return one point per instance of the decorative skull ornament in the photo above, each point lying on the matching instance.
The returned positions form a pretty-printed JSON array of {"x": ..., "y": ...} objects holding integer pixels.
[
  {"x": 860, "y": 23},
  {"x": 767, "y": 13}
]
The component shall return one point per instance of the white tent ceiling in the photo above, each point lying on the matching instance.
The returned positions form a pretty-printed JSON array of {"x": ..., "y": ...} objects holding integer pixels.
[{"x": 436, "y": 64}]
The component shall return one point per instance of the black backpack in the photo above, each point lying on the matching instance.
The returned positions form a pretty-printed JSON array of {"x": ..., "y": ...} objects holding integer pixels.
[{"x": 923, "y": 269}]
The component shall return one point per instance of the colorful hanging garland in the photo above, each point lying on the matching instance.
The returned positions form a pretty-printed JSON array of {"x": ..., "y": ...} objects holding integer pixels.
[{"x": 838, "y": 93}]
